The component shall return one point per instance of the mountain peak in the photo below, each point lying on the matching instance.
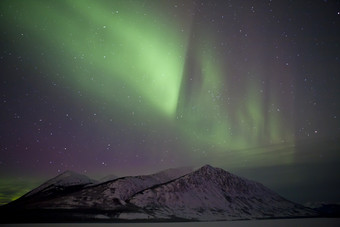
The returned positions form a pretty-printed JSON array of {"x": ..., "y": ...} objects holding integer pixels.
[
  {"x": 68, "y": 173},
  {"x": 207, "y": 193},
  {"x": 207, "y": 167},
  {"x": 70, "y": 177},
  {"x": 214, "y": 194},
  {"x": 65, "y": 179}
]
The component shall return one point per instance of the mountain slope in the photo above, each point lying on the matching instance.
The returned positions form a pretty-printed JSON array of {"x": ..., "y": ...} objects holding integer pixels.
[
  {"x": 64, "y": 180},
  {"x": 63, "y": 184},
  {"x": 214, "y": 194},
  {"x": 110, "y": 177},
  {"x": 206, "y": 194},
  {"x": 110, "y": 194}
]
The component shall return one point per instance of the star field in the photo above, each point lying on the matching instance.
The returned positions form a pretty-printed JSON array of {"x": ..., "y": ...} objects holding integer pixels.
[{"x": 133, "y": 87}]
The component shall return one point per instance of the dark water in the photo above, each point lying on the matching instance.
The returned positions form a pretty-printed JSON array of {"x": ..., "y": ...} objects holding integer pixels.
[{"x": 310, "y": 222}]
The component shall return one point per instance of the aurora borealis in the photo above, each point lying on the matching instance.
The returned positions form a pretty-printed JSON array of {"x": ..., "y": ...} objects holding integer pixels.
[{"x": 131, "y": 87}]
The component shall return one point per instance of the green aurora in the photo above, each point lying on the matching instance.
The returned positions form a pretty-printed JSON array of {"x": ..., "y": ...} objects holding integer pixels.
[
  {"x": 140, "y": 61},
  {"x": 137, "y": 62}
]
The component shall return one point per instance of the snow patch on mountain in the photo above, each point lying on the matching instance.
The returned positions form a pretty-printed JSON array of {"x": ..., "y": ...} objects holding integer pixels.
[
  {"x": 214, "y": 194},
  {"x": 206, "y": 194},
  {"x": 66, "y": 179},
  {"x": 112, "y": 194}
]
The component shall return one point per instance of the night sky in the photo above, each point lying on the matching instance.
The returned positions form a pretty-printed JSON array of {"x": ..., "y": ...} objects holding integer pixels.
[{"x": 132, "y": 87}]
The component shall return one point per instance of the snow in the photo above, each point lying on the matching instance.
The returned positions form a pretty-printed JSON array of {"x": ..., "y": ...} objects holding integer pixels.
[
  {"x": 65, "y": 179},
  {"x": 207, "y": 194},
  {"x": 109, "y": 194},
  {"x": 214, "y": 194}
]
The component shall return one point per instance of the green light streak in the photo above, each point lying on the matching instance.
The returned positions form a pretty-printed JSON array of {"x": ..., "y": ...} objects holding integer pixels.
[
  {"x": 133, "y": 58},
  {"x": 255, "y": 114},
  {"x": 211, "y": 123},
  {"x": 113, "y": 51}
]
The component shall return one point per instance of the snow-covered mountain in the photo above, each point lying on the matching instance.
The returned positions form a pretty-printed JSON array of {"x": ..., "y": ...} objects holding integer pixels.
[
  {"x": 170, "y": 174},
  {"x": 214, "y": 194},
  {"x": 109, "y": 194},
  {"x": 61, "y": 182},
  {"x": 207, "y": 193}
]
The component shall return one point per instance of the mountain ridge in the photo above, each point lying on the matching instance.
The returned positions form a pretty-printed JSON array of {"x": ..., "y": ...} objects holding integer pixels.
[
  {"x": 199, "y": 195},
  {"x": 205, "y": 194}
]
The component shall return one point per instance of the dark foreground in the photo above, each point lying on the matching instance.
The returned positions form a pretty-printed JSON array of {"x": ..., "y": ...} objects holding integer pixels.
[
  {"x": 91, "y": 216},
  {"x": 71, "y": 216},
  {"x": 304, "y": 222}
]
